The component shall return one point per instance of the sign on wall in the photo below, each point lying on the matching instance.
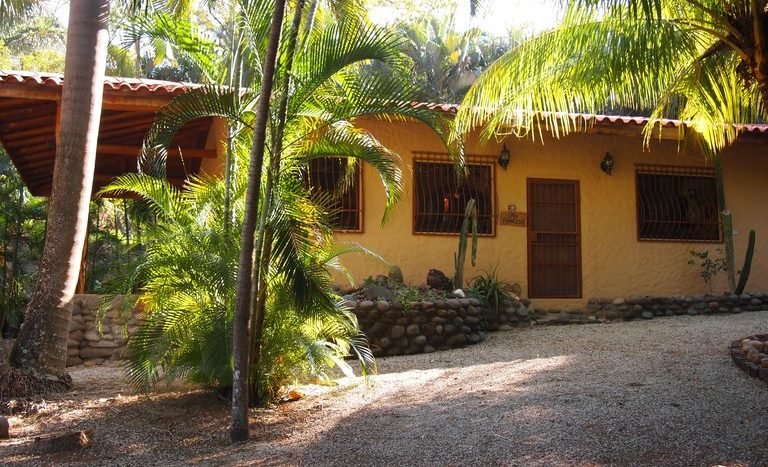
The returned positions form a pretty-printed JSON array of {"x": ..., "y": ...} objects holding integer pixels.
[{"x": 513, "y": 217}]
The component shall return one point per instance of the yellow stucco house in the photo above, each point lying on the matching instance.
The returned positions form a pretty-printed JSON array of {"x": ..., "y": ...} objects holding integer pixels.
[
  {"x": 557, "y": 219},
  {"x": 558, "y": 222}
]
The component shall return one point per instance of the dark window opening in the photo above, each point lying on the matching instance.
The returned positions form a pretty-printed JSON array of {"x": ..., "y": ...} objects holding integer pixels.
[
  {"x": 440, "y": 198},
  {"x": 341, "y": 197},
  {"x": 677, "y": 204}
]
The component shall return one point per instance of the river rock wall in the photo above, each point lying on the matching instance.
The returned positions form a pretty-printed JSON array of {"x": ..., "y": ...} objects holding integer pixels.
[
  {"x": 420, "y": 327},
  {"x": 89, "y": 345}
]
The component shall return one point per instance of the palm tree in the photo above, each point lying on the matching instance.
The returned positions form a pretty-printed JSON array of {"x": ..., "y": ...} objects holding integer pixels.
[
  {"x": 240, "y": 338},
  {"x": 333, "y": 86},
  {"x": 702, "y": 61},
  {"x": 42, "y": 341},
  {"x": 696, "y": 60}
]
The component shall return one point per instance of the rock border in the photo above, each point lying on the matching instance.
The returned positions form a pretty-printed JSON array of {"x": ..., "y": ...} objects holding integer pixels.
[{"x": 751, "y": 355}]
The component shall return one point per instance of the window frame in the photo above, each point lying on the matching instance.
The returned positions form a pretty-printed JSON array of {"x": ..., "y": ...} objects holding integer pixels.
[
  {"x": 360, "y": 199},
  {"x": 675, "y": 171},
  {"x": 443, "y": 158}
]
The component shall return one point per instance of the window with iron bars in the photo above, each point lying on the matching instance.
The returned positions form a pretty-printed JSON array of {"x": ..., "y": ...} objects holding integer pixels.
[
  {"x": 343, "y": 200},
  {"x": 677, "y": 204},
  {"x": 440, "y": 197}
]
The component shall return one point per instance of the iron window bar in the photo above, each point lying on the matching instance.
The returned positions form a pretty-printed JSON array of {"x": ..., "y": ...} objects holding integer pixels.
[
  {"x": 676, "y": 203},
  {"x": 440, "y": 197},
  {"x": 342, "y": 196}
]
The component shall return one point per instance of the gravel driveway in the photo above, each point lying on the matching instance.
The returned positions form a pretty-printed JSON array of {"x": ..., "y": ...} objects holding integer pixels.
[{"x": 658, "y": 392}]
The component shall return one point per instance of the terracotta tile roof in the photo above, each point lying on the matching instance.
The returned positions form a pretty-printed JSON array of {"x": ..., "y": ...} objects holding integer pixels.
[
  {"x": 152, "y": 86},
  {"x": 452, "y": 109},
  {"x": 128, "y": 85}
]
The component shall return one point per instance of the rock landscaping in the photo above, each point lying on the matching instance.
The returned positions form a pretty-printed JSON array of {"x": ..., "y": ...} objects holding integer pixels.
[
  {"x": 88, "y": 345},
  {"x": 422, "y": 326},
  {"x": 627, "y": 309},
  {"x": 751, "y": 355},
  {"x": 401, "y": 320}
]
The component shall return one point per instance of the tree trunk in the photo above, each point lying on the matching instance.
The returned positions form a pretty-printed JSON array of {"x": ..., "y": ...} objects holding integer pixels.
[
  {"x": 240, "y": 344},
  {"x": 264, "y": 243},
  {"x": 42, "y": 342}
]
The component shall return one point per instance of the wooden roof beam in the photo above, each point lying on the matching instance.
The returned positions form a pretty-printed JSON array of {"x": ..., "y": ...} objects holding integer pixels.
[{"x": 121, "y": 150}]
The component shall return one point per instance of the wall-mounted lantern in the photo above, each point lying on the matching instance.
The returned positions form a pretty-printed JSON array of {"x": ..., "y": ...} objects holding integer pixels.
[
  {"x": 606, "y": 165},
  {"x": 504, "y": 157}
]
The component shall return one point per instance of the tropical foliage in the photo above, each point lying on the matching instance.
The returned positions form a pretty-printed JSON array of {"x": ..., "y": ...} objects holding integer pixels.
[
  {"x": 22, "y": 222},
  {"x": 446, "y": 60},
  {"x": 188, "y": 275},
  {"x": 700, "y": 61}
]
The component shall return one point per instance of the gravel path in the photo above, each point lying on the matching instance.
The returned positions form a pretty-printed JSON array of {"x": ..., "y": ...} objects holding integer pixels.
[{"x": 659, "y": 392}]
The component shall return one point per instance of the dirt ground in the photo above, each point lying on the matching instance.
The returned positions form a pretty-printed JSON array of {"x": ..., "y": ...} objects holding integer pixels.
[{"x": 659, "y": 392}]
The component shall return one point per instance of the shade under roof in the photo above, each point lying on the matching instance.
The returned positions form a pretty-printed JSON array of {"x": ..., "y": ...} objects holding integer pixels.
[{"x": 28, "y": 106}]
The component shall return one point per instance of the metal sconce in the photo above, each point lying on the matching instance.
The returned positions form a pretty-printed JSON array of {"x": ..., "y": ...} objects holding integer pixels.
[
  {"x": 606, "y": 165},
  {"x": 504, "y": 157}
]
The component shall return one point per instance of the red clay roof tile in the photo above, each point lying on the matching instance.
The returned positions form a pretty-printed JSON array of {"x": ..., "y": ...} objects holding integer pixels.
[{"x": 152, "y": 86}]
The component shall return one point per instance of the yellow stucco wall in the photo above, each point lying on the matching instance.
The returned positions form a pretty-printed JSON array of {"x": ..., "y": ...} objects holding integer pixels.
[{"x": 614, "y": 262}]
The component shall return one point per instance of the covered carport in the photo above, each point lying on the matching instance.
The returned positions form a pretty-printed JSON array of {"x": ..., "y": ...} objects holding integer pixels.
[{"x": 30, "y": 103}]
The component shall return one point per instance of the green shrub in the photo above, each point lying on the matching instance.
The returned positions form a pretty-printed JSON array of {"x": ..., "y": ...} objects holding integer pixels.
[{"x": 490, "y": 289}]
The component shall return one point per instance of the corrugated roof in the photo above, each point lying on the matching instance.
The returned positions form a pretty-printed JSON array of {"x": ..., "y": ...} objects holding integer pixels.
[{"x": 111, "y": 83}]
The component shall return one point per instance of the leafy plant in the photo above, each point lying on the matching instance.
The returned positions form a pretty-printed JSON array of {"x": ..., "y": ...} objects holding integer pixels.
[
  {"x": 490, "y": 289},
  {"x": 407, "y": 294},
  {"x": 188, "y": 276},
  {"x": 709, "y": 266}
]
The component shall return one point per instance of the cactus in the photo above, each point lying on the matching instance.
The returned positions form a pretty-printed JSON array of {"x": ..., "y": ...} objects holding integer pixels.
[
  {"x": 744, "y": 276},
  {"x": 470, "y": 215},
  {"x": 727, "y": 219}
]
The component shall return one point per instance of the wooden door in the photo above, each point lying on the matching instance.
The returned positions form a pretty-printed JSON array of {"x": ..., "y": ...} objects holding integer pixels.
[{"x": 554, "y": 243}]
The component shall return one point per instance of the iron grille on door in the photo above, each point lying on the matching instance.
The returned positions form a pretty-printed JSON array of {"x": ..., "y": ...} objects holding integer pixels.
[
  {"x": 440, "y": 198},
  {"x": 554, "y": 244},
  {"x": 326, "y": 180},
  {"x": 677, "y": 204}
]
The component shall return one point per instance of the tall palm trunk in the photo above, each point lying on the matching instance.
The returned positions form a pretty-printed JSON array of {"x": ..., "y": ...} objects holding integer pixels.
[
  {"x": 264, "y": 243},
  {"x": 42, "y": 342},
  {"x": 240, "y": 345}
]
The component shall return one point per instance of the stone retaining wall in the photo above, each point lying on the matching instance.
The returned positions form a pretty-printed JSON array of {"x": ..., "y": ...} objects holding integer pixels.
[
  {"x": 429, "y": 325},
  {"x": 421, "y": 327},
  {"x": 650, "y": 307},
  {"x": 609, "y": 309},
  {"x": 87, "y": 346}
]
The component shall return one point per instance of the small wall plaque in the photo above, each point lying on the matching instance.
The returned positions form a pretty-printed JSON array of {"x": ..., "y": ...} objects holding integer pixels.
[{"x": 514, "y": 217}]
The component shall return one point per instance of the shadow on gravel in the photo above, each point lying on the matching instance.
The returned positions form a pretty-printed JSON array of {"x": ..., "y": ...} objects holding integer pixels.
[
  {"x": 549, "y": 419},
  {"x": 638, "y": 394},
  {"x": 667, "y": 395}
]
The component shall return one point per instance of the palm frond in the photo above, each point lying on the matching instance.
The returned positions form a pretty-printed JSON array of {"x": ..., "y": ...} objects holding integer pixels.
[
  {"x": 335, "y": 47},
  {"x": 183, "y": 35},
  {"x": 343, "y": 140},
  {"x": 202, "y": 102},
  {"x": 164, "y": 199}
]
